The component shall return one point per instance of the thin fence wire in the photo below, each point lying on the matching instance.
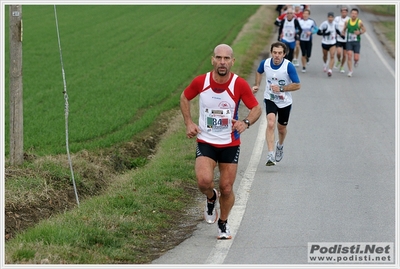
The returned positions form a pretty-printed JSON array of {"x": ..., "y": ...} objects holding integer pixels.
[{"x": 66, "y": 108}]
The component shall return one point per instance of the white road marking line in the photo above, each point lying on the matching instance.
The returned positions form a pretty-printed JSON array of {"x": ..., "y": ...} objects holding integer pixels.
[
  {"x": 221, "y": 249},
  {"x": 385, "y": 63}
]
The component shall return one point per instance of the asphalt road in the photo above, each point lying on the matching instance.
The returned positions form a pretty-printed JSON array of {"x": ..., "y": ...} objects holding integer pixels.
[{"x": 336, "y": 182}]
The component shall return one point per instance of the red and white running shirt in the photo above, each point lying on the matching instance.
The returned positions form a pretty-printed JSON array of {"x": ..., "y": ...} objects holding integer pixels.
[{"x": 218, "y": 105}]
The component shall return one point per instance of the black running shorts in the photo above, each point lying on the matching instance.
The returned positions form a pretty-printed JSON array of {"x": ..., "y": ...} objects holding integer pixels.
[
  {"x": 353, "y": 46},
  {"x": 283, "y": 113},
  {"x": 220, "y": 155},
  {"x": 306, "y": 47},
  {"x": 340, "y": 44},
  {"x": 327, "y": 46}
]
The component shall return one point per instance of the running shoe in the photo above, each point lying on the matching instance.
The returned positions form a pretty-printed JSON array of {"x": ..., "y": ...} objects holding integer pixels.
[
  {"x": 329, "y": 72},
  {"x": 223, "y": 231},
  {"x": 210, "y": 212},
  {"x": 337, "y": 65},
  {"x": 278, "y": 152},
  {"x": 325, "y": 68},
  {"x": 350, "y": 74},
  {"x": 270, "y": 161},
  {"x": 355, "y": 63},
  {"x": 303, "y": 70},
  {"x": 341, "y": 70}
]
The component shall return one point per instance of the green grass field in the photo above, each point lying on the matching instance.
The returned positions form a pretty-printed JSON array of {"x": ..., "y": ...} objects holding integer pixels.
[
  {"x": 388, "y": 28},
  {"x": 124, "y": 66},
  {"x": 385, "y": 10}
]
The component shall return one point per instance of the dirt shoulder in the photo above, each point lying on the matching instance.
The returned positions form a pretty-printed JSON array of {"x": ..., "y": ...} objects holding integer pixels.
[
  {"x": 377, "y": 20},
  {"x": 381, "y": 31}
]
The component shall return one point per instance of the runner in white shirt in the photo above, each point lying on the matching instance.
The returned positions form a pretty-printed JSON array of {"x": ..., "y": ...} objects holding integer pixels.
[
  {"x": 289, "y": 31},
  {"x": 281, "y": 79},
  {"x": 328, "y": 30},
  {"x": 308, "y": 27},
  {"x": 298, "y": 13},
  {"x": 341, "y": 42}
]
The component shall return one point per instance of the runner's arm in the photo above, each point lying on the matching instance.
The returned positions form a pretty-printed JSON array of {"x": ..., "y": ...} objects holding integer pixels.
[
  {"x": 256, "y": 86},
  {"x": 191, "y": 128},
  {"x": 362, "y": 28},
  {"x": 254, "y": 114},
  {"x": 340, "y": 33},
  {"x": 299, "y": 30},
  {"x": 295, "y": 85},
  {"x": 291, "y": 87},
  {"x": 344, "y": 27},
  {"x": 250, "y": 102},
  {"x": 280, "y": 30},
  {"x": 260, "y": 71},
  {"x": 322, "y": 30}
]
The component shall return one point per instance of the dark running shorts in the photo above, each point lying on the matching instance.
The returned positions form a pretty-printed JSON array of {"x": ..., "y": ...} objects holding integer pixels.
[
  {"x": 306, "y": 47},
  {"x": 283, "y": 113},
  {"x": 327, "y": 47},
  {"x": 341, "y": 45},
  {"x": 220, "y": 155},
  {"x": 353, "y": 46}
]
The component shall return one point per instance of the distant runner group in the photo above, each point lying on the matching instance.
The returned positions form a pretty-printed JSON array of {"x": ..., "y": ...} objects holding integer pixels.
[{"x": 341, "y": 36}]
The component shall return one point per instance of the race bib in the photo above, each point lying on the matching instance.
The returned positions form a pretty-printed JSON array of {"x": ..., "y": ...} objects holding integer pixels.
[
  {"x": 304, "y": 36},
  {"x": 218, "y": 120},
  {"x": 352, "y": 37},
  {"x": 289, "y": 34},
  {"x": 280, "y": 97}
]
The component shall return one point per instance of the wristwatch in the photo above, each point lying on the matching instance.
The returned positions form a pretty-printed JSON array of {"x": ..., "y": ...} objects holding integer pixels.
[
  {"x": 281, "y": 89},
  {"x": 247, "y": 122}
]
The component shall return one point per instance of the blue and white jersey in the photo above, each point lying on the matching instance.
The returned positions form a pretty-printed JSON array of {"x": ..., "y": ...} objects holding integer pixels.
[
  {"x": 282, "y": 75},
  {"x": 308, "y": 26}
]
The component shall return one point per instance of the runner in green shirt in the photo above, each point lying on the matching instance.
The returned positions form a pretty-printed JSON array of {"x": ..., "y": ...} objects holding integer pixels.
[{"x": 355, "y": 28}]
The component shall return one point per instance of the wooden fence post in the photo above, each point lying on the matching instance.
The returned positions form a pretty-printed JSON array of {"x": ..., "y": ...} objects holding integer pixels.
[{"x": 16, "y": 87}]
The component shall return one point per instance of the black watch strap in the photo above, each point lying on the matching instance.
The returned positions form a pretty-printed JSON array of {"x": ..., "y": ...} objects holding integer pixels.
[{"x": 247, "y": 122}]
